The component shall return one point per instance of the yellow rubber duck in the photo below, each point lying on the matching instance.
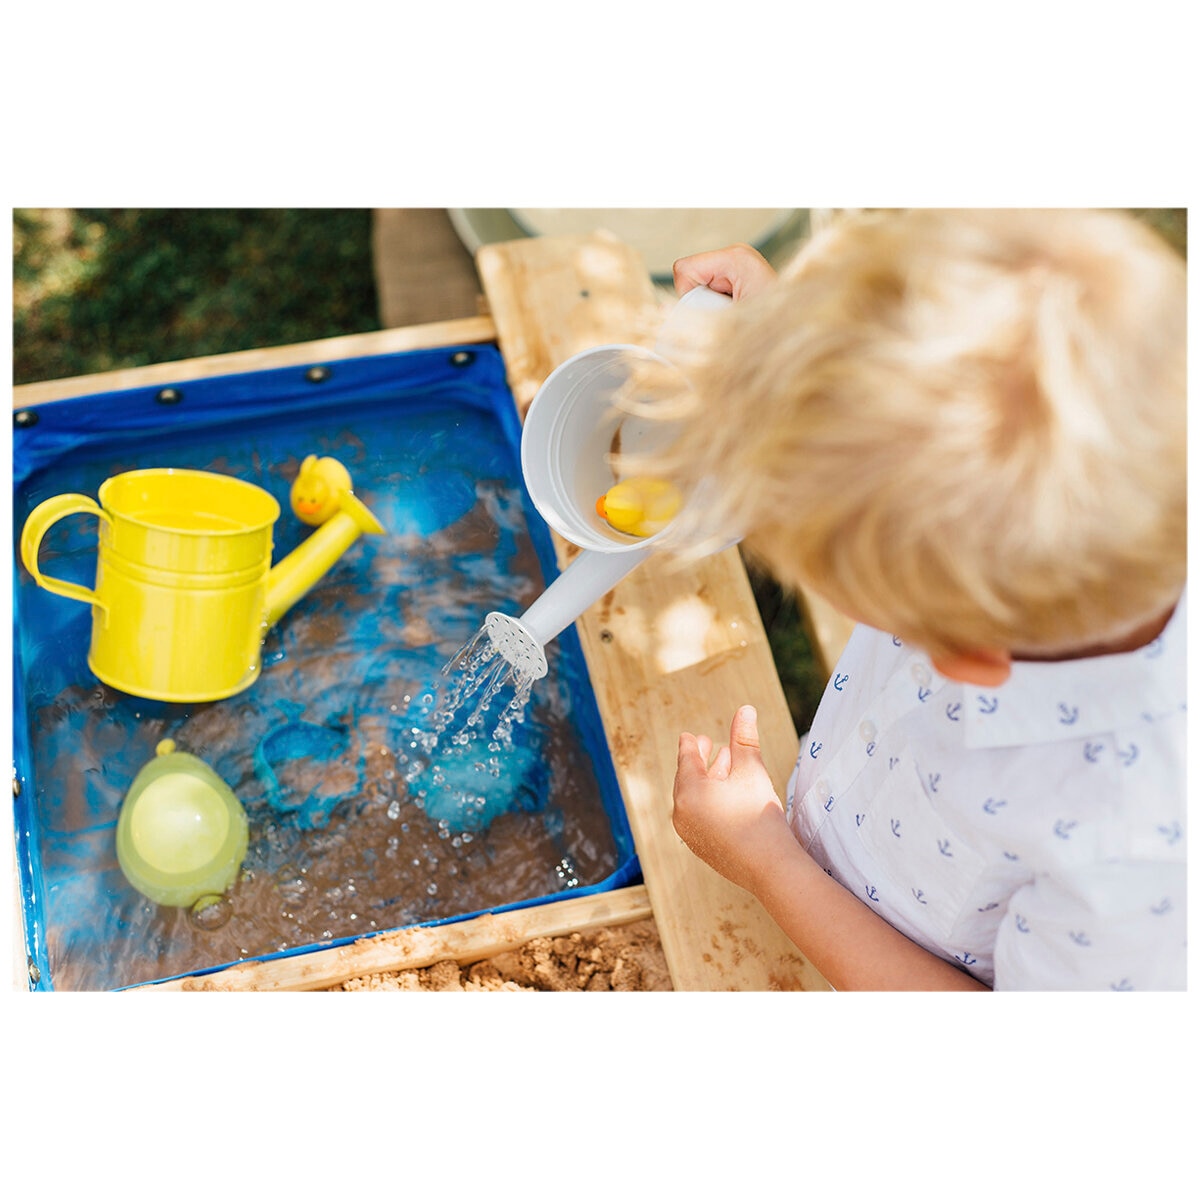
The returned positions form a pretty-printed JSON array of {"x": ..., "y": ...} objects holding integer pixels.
[
  {"x": 640, "y": 506},
  {"x": 318, "y": 489}
]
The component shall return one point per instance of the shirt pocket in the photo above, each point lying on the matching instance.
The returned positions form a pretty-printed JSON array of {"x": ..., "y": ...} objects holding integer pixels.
[{"x": 930, "y": 870}]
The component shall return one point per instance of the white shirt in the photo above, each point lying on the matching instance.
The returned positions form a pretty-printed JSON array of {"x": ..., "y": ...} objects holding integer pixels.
[{"x": 1034, "y": 834}]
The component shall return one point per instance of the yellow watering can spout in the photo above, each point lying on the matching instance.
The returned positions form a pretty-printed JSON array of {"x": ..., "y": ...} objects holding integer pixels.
[{"x": 320, "y": 496}]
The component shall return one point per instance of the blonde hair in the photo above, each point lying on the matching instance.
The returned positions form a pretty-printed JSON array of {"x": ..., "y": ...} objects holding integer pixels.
[{"x": 964, "y": 428}]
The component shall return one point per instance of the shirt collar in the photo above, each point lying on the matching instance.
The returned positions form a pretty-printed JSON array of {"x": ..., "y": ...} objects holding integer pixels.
[{"x": 1059, "y": 701}]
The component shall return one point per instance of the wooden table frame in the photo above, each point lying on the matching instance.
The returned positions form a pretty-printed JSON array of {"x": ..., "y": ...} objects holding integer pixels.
[{"x": 549, "y": 298}]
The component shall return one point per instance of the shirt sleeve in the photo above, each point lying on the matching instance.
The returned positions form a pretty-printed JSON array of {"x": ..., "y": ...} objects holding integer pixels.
[{"x": 1118, "y": 926}]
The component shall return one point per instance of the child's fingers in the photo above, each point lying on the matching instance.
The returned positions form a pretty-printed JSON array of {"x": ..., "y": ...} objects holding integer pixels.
[
  {"x": 692, "y": 764},
  {"x": 704, "y": 747},
  {"x": 720, "y": 766},
  {"x": 743, "y": 739}
]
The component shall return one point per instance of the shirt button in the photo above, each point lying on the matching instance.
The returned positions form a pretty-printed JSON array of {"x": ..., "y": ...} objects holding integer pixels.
[
  {"x": 920, "y": 673},
  {"x": 822, "y": 788},
  {"x": 867, "y": 731}
]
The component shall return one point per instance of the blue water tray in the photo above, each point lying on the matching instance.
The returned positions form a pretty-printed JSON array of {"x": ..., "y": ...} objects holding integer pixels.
[{"x": 356, "y": 827}]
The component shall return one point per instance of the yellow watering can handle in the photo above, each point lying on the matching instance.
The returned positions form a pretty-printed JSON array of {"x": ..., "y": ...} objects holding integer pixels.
[{"x": 36, "y": 527}]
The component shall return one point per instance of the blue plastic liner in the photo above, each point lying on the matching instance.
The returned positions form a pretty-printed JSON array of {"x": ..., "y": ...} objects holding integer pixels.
[{"x": 417, "y": 431}]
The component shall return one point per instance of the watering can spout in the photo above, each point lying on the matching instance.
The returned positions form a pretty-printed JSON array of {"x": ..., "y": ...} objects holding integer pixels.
[{"x": 320, "y": 496}]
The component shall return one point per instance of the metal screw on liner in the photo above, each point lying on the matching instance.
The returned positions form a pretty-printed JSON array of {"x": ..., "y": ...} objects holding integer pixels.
[
  {"x": 26, "y": 418},
  {"x": 317, "y": 374},
  {"x": 462, "y": 358},
  {"x": 169, "y": 395}
]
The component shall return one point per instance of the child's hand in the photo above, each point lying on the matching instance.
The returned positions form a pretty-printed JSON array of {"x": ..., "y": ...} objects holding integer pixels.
[
  {"x": 738, "y": 271},
  {"x": 728, "y": 813}
]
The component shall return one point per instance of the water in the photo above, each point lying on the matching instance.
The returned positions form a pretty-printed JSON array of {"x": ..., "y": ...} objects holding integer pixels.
[
  {"x": 483, "y": 673},
  {"x": 393, "y": 772}
]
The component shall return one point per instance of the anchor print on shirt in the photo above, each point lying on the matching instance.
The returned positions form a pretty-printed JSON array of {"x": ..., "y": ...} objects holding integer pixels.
[
  {"x": 1068, "y": 714},
  {"x": 840, "y": 681},
  {"x": 1172, "y": 832},
  {"x": 1128, "y": 756},
  {"x": 954, "y": 711},
  {"x": 987, "y": 704}
]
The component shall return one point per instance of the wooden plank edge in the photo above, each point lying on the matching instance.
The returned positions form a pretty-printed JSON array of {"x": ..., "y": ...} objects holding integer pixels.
[
  {"x": 409, "y": 949},
  {"x": 828, "y": 630},
  {"x": 465, "y": 330}
]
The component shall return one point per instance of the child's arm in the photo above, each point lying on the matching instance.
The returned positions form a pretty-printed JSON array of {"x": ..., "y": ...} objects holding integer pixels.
[{"x": 729, "y": 815}]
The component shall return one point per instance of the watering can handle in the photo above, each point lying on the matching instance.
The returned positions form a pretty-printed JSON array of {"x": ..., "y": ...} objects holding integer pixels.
[
  {"x": 697, "y": 299},
  {"x": 36, "y": 527}
]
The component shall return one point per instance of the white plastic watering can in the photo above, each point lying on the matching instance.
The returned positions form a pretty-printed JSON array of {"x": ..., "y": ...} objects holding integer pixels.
[{"x": 571, "y": 428}]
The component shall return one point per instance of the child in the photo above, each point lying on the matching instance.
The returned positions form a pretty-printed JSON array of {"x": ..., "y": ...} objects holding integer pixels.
[{"x": 968, "y": 432}]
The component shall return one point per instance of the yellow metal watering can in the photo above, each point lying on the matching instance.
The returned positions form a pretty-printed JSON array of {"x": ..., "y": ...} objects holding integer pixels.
[{"x": 185, "y": 591}]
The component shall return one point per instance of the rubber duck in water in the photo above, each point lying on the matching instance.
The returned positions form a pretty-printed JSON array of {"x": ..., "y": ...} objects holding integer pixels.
[
  {"x": 640, "y": 506},
  {"x": 318, "y": 489}
]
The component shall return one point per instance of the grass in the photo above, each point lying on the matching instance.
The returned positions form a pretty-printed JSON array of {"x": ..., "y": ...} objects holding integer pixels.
[{"x": 98, "y": 289}]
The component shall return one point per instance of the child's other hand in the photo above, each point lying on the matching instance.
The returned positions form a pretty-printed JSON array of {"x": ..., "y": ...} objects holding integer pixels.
[
  {"x": 728, "y": 813},
  {"x": 738, "y": 271}
]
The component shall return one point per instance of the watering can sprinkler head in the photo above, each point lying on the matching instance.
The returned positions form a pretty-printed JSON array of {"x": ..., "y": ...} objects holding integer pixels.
[{"x": 517, "y": 644}]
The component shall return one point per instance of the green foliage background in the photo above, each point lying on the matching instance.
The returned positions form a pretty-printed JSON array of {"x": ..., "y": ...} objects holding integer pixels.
[{"x": 96, "y": 289}]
